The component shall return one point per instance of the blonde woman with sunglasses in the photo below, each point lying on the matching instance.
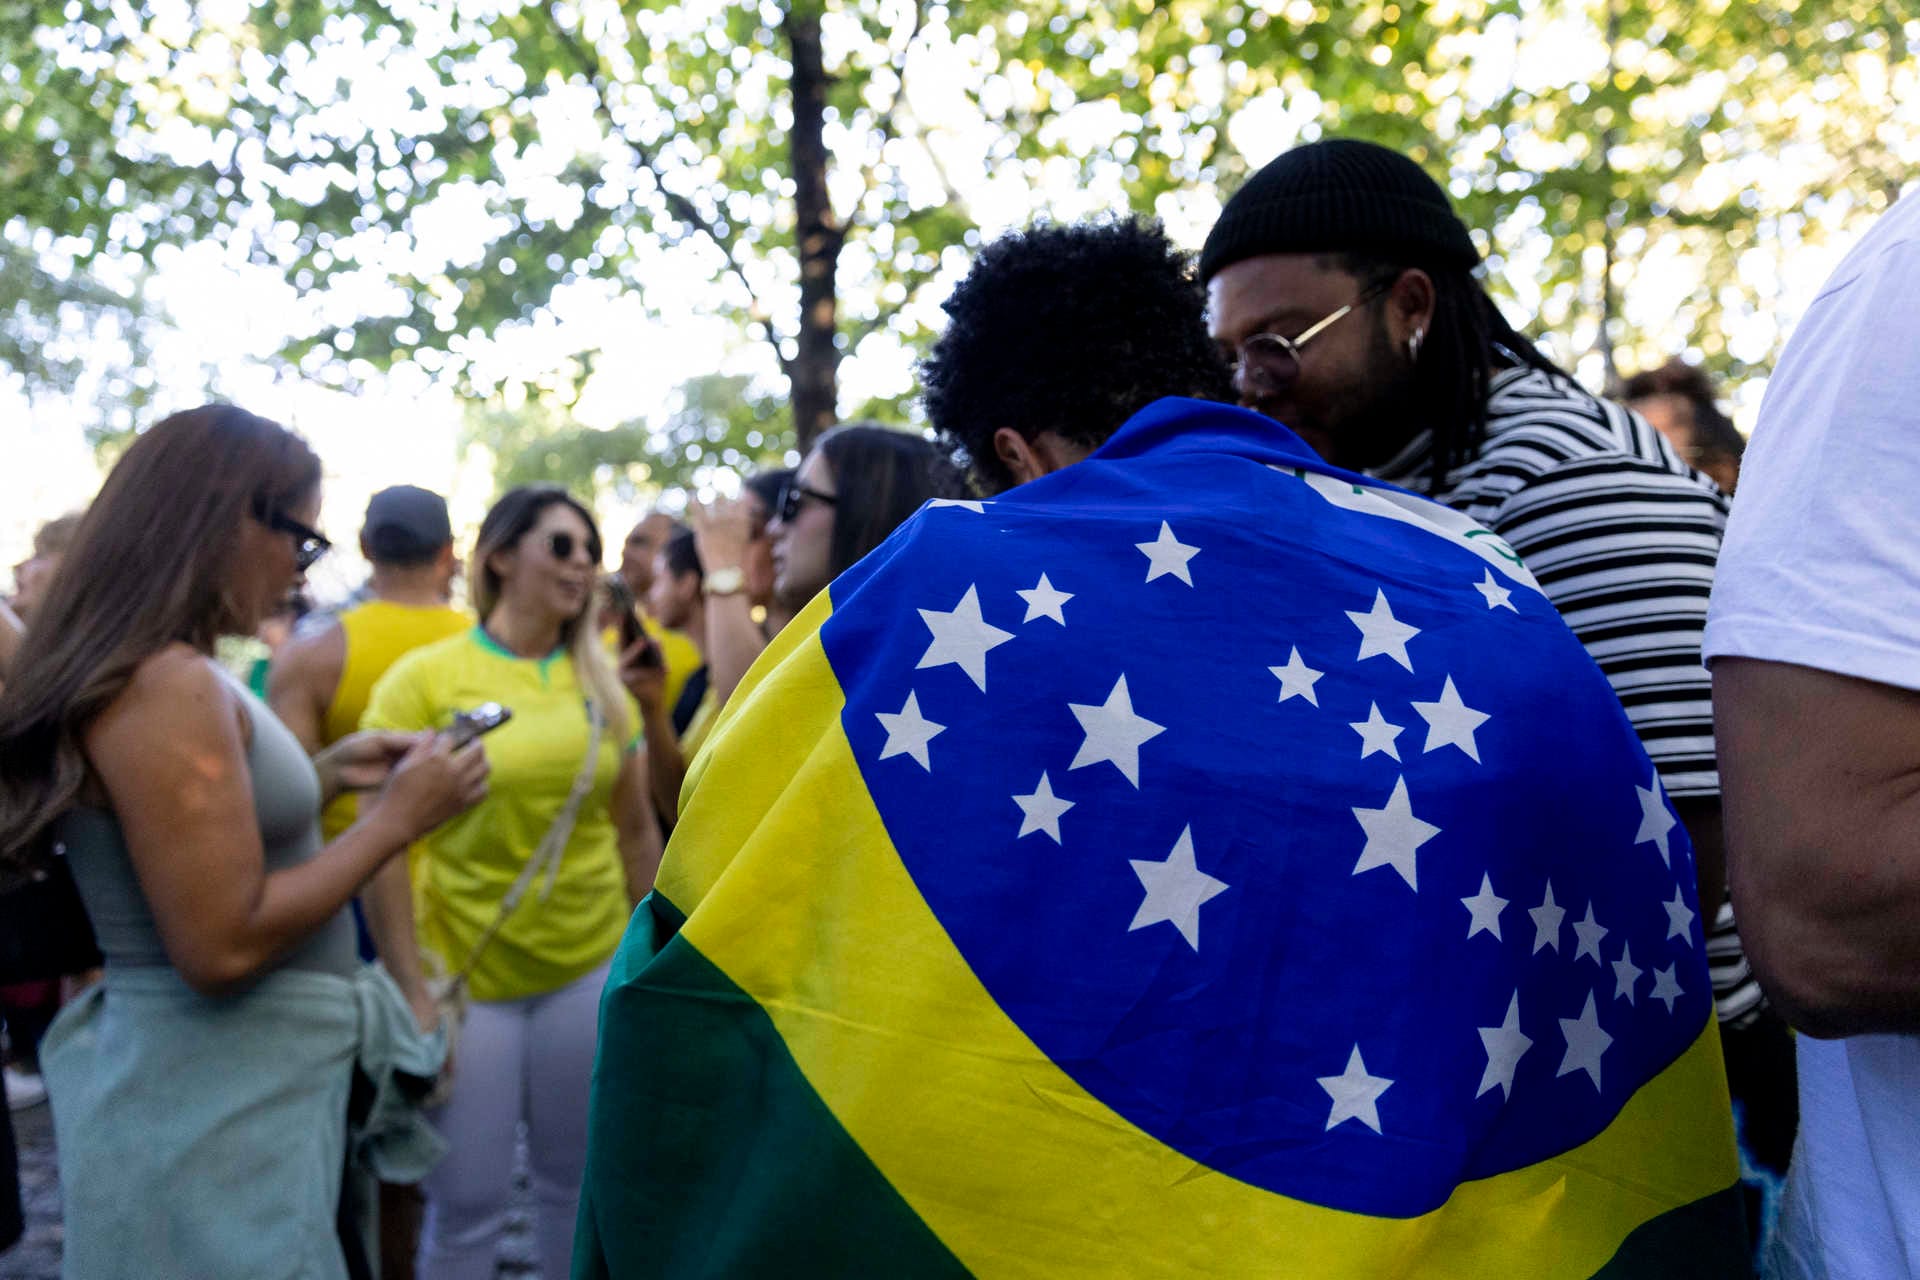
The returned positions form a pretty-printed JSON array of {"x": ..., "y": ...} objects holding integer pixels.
[{"x": 524, "y": 899}]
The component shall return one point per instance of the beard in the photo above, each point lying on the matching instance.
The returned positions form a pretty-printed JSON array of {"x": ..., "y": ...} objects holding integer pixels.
[{"x": 1368, "y": 419}]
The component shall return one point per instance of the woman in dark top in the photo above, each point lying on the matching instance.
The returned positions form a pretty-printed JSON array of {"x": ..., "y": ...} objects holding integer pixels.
[
  {"x": 859, "y": 483},
  {"x": 200, "y": 1090}
]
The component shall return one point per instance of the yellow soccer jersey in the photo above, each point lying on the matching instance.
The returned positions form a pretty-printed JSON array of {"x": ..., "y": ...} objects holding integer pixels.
[{"x": 468, "y": 865}]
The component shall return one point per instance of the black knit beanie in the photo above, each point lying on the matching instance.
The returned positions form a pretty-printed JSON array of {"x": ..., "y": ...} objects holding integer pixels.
[{"x": 1335, "y": 195}]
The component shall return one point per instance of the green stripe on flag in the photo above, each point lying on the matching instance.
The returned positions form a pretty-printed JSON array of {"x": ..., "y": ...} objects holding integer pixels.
[
  {"x": 1696, "y": 1240},
  {"x": 715, "y": 1157}
]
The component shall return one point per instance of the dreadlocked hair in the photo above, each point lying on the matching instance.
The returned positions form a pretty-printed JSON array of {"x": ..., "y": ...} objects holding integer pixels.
[{"x": 1468, "y": 342}]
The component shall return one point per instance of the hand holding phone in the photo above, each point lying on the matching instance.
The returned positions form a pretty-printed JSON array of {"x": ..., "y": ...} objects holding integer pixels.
[
  {"x": 643, "y": 670},
  {"x": 468, "y": 725},
  {"x": 630, "y": 629},
  {"x": 435, "y": 781}
]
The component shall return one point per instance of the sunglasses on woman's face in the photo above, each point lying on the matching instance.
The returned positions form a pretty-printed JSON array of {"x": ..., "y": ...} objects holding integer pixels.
[
  {"x": 308, "y": 543},
  {"x": 561, "y": 546},
  {"x": 794, "y": 493}
]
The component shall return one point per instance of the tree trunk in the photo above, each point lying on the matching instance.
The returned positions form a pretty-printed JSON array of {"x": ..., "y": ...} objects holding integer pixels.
[
  {"x": 1609, "y": 227},
  {"x": 813, "y": 373}
]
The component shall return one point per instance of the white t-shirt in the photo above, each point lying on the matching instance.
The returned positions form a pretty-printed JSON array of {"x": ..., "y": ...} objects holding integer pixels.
[{"x": 1821, "y": 567}]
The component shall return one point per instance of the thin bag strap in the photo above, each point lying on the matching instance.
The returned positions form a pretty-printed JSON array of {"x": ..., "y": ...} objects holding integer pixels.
[{"x": 546, "y": 855}]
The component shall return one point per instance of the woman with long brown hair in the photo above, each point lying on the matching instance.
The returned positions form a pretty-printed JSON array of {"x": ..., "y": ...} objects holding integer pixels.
[
  {"x": 200, "y": 1091},
  {"x": 525, "y": 899}
]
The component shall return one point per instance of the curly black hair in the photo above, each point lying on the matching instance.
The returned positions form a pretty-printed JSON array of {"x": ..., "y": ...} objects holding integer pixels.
[{"x": 1069, "y": 329}]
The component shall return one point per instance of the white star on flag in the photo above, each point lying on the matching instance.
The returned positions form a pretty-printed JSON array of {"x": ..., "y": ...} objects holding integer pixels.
[
  {"x": 1546, "y": 922},
  {"x": 1679, "y": 918},
  {"x": 1496, "y": 596},
  {"x": 1485, "y": 908},
  {"x": 1042, "y": 810},
  {"x": 1176, "y": 890},
  {"x": 968, "y": 504},
  {"x": 1625, "y": 974},
  {"x": 1168, "y": 556},
  {"x": 1590, "y": 933},
  {"x": 1297, "y": 679},
  {"x": 1393, "y": 835},
  {"x": 962, "y": 637},
  {"x": 1045, "y": 601},
  {"x": 1450, "y": 722},
  {"x": 1505, "y": 1045},
  {"x": 1376, "y": 734},
  {"x": 1355, "y": 1093},
  {"x": 909, "y": 732},
  {"x": 1585, "y": 1043},
  {"x": 1114, "y": 733},
  {"x": 1382, "y": 634},
  {"x": 1656, "y": 820},
  {"x": 1666, "y": 987}
]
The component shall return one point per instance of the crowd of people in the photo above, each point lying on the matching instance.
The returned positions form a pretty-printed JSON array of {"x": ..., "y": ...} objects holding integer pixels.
[{"x": 723, "y": 889}]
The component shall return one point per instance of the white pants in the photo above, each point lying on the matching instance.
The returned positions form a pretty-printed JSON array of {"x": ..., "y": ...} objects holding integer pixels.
[{"x": 519, "y": 1061}]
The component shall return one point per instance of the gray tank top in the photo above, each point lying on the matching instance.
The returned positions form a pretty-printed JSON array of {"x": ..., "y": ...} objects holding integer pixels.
[{"x": 286, "y": 805}]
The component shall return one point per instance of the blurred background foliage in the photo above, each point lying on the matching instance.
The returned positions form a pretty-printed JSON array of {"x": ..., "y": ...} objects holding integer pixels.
[{"x": 433, "y": 177}]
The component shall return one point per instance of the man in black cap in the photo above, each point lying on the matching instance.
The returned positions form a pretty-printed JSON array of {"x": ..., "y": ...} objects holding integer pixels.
[
  {"x": 1344, "y": 290},
  {"x": 319, "y": 685}
]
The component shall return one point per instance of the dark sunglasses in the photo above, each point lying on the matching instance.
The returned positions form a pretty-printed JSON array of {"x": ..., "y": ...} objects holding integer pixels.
[
  {"x": 561, "y": 546},
  {"x": 793, "y": 493},
  {"x": 309, "y": 544}
]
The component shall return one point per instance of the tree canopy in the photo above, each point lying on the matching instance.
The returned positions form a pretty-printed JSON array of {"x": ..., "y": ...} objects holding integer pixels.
[{"x": 435, "y": 176}]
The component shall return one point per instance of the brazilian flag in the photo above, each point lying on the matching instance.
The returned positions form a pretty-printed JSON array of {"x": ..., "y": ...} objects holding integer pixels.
[{"x": 1197, "y": 862}]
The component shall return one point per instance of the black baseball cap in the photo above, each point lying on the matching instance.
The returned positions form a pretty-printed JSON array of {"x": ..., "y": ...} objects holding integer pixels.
[{"x": 406, "y": 524}]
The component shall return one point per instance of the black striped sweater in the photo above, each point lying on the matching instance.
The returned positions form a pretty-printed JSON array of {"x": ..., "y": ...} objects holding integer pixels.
[{"x": 1622, "y": 537}]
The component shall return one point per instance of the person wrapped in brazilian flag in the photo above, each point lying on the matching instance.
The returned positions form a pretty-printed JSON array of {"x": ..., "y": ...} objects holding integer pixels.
[{"x": 1191, "y": 861}]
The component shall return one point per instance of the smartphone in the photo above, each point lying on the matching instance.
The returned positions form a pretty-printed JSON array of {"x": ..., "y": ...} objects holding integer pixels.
[
  {"x": 630, "y": 628},
  {"x": 649, "y": 655},
  {"x": 485, "y": 718}
]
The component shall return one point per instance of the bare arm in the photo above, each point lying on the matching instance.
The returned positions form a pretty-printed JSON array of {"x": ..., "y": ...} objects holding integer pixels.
[
  {"x": 665, "y": 767},
  {"x": 1822, "y": 785},
  {"x": 170, "y": 753},
  {"x": 302, "y": 681},
  {"x": 300, "y": 686},
  {"x": 734, "y": 640},
  {"x": 722, "y": 532},
  {"x": 636, "y": 826}
]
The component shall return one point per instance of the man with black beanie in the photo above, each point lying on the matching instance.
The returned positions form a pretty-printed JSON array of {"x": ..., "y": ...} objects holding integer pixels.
[
  {"x": 1343, "y": 288},
  {"x": 1346, "y": 293}
]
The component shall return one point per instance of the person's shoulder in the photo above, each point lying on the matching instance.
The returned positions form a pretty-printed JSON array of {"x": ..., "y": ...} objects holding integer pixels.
[
  {"x": 1597, "y": 490},
  {"x": 176, "y": 666},
  {"x": 937, "y": 533},
  {"x": 1542, "y": 426},
  {"x": 315, "y": 653},
  {"x": 423, "y": 663},
  {"x": 171, "y": 690},
  {"x": 1550, "y": 418},
  {"x": 1887, "y": 254}
]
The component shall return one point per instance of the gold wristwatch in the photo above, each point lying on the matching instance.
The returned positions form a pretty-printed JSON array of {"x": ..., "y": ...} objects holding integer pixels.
[{"x": 730, "y": 581}]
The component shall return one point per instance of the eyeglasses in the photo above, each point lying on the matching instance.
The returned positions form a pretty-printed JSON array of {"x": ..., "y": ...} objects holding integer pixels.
[
  {"x": 793, "y": 493},
  {"x": 561, "y": 546},
  {"x": 1277, "y": 356},
  {"x": 309, "y": 544}
]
